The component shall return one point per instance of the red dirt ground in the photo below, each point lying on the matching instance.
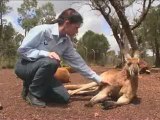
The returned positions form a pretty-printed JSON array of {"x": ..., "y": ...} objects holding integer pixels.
[{"x": 146, "y": 107}]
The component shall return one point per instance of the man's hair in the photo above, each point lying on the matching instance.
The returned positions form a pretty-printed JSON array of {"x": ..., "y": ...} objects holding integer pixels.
[{"x": 69, "y": 14}]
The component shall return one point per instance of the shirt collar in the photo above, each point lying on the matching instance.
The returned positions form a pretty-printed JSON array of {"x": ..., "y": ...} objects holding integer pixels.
[{"x": 55, "y": 30}]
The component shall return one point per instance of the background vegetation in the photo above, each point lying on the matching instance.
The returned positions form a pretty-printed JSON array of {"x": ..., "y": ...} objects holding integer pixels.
[{"x": 144, "y": 34}]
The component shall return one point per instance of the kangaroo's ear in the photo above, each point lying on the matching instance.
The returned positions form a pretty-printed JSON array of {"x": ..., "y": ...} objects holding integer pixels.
[{"x": 136, "y": 54}]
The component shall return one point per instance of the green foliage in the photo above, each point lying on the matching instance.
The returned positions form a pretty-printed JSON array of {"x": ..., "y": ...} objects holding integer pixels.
[
  {"x": 4, "y": 8},
  {"x": 148, "y": 34},
  {"x": 18, "y": 39},
  {"x": 27, "y": 14},
  {"x": 149, "y": 30},
  {"x": 46, "y": 12},
  {"x": 94, "y": 44},
  {"x": 31, "y": 15},
  {"x": 152, "y": 25},
  {"x": 95, "y": 41},
  {"x": 8, "y": 45}
]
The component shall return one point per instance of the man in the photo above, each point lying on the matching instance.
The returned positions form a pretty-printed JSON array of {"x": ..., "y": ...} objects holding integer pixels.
[{"x": 40, "y": 54}]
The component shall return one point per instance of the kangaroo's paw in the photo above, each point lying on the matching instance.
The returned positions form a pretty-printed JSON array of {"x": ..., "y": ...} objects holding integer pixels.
[
  {"x": 108, "y": 105},
  {"x": 89, "y": 104}
]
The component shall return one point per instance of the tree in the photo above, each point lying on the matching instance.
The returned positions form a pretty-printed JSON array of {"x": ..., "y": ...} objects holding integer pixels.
[
  {"x": 120, "y": 25},
  {"x": 3, "y": 10},
  {"x": 18, "y": 39},
  {"x": 27, "y": 14},
  {"x": 95, "y": 44},
  {"x": 150, "y": 32},
  {"x": 46, "y": 13},
  {"x": 114, "y": 12},
  {"x": 8, "y": 49},
  {"x": 30, "y": 14}
]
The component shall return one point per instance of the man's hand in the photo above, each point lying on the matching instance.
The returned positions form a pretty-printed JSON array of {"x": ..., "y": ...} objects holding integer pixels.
[{"x": 54, "y": 55}]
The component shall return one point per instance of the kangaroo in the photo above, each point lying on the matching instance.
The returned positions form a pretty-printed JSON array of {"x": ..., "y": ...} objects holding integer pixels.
[{"x": 122, "y": 84}]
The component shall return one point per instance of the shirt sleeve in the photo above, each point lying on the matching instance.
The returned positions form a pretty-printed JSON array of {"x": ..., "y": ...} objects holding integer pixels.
[
  {"x": 72, "y": 57},
  {"x": 28, "y": 49}
]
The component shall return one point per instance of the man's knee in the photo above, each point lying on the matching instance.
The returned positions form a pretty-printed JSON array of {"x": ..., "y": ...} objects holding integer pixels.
[
  {"x": 66, "y": 98},
  {"x": 50, "y": 63},
  {"x": 59, "y": 94},
  {"x": 62, "y": 99}
]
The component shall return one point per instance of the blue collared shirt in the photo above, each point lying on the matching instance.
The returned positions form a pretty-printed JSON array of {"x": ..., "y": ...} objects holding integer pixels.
[{"x": 43, "y": 39}]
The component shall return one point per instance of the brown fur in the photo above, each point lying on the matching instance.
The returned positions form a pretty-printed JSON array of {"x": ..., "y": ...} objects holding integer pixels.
[{"x": 121, "y": 84}]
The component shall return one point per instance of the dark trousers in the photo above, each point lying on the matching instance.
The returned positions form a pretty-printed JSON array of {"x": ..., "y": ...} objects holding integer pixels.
[{"x": 38, "y": 77}]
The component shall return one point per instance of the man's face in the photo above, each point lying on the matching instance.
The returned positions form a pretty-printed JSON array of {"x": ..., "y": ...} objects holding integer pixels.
[{"x": 72, "y": 29}]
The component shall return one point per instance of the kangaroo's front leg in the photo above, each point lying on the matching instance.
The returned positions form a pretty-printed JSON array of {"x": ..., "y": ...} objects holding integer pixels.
[
  {"x": 101, "y": 96},
  {"x": 123, "y": 100}
]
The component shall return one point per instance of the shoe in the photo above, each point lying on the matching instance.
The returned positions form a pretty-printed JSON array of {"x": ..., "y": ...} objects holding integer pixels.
[
  {"x": 24, "y": 92},
  {"x": 34, "y": 101}
]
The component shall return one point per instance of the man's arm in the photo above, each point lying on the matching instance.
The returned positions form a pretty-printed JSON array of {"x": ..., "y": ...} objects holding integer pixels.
[{"x": 72, "y": 57}]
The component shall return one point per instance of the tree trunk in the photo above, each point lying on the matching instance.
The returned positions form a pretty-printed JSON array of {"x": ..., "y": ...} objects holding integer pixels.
[
  {"x": 125, "y": 24},
  {"x": 157, "y": 61},
  {"x": 114, "y": 28},
  {"x": 1, "y": 27}
]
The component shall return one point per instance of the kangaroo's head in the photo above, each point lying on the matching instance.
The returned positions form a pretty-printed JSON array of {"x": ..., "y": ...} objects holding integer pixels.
[{"x": 132, "y": 65}]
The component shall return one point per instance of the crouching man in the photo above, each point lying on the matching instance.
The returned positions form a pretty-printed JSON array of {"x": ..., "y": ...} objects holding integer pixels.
[{"x": 40, "y": 54}]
